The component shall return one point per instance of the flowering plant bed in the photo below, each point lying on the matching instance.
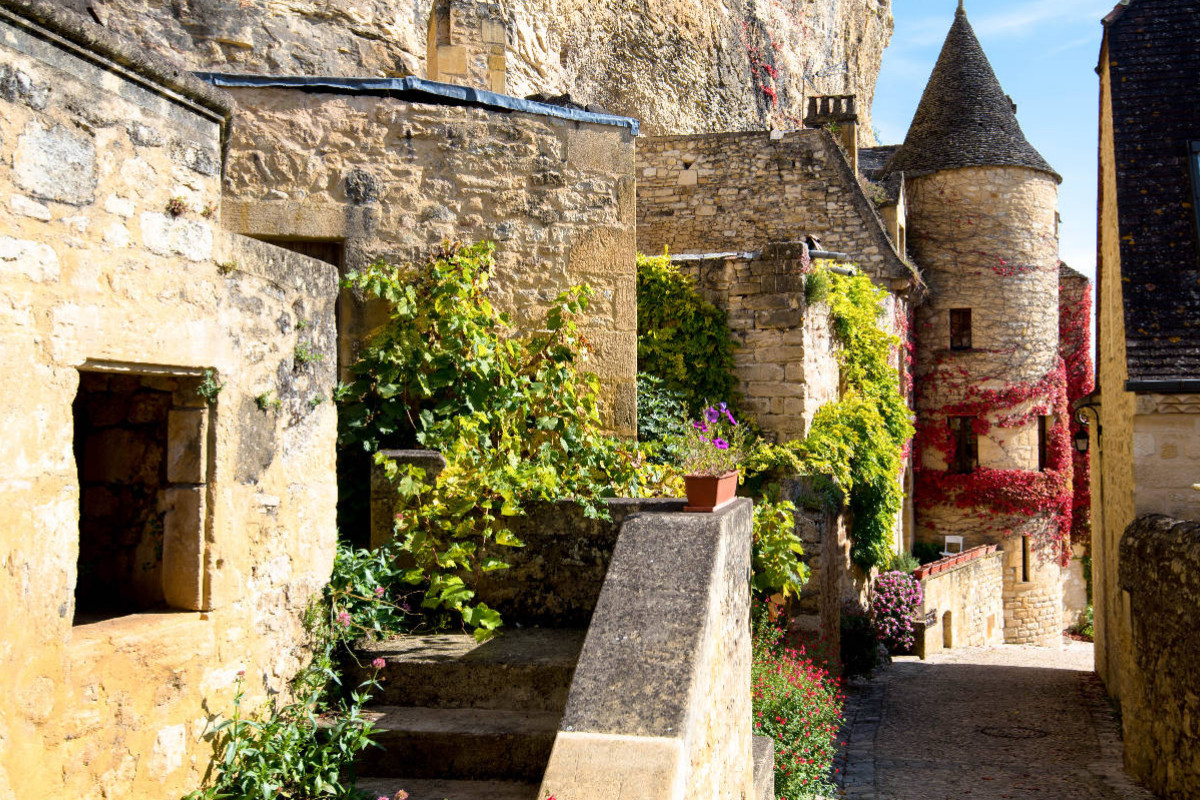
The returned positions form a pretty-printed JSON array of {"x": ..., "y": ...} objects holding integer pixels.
[
  {"x": 798, "y": 704},
  {"x": 894, "y": 605}
]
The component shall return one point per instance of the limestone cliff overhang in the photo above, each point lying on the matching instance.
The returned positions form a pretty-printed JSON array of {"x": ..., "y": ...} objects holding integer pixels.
[
  {"x": 418, "y": 90},
  {"x": 965, "y": 119},
  {"x": 71, "y": 31}
]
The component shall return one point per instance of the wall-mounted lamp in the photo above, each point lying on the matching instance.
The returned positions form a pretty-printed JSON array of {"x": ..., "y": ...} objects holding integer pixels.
[{"x": 1082, "y": 438}]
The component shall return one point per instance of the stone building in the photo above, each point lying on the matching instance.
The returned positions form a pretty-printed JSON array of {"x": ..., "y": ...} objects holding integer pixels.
[
  {"x": 992, "y": 454},
  {"x": 1145, "y": 414},
  {"x": 167, "y": 510}
]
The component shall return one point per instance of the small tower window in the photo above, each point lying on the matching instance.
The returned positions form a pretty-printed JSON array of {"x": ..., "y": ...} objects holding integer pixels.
[
  {"x": 1043, "y": 442},
  {"x": 960, "y": 329},
  {"x": 966, "y": 445}
]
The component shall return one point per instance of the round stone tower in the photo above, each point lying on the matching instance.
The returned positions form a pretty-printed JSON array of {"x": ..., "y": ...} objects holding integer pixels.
[{"x": 992, "y": 450}]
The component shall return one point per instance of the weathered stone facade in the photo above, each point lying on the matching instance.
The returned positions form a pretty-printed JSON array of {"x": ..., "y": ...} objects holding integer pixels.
[
  {"x": 736, "y": 192},
  {"x": 785, "y": 357},
  {"x": 963, "y": 602},
  {"x": 1160, "y": 576},
  {"x": 117, "y": 293},
  {"x": 987, "y": 242},
  {"x": 390, "y": 179},
  {"x": 682, "y": 68}
]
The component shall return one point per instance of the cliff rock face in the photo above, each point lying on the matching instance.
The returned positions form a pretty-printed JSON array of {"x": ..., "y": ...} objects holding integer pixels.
[{"x": 681, "y": 66}]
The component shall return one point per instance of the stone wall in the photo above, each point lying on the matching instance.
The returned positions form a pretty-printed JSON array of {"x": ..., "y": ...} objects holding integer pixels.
[
  {"x": 1166, "y": 454},
  {"x": 785, "y": 358},
  {"x": 659, "y": 708},
  {"x": 390, "y": 179},
  {"x": 1160, "y": 574},
  {"x": 102, "y": 288},
  {"x": 688, "y": 67},
  {"x": 963, "y": 605},
  {"x": 1113, "y": 502},
  {"x": 738, "y": 191}
]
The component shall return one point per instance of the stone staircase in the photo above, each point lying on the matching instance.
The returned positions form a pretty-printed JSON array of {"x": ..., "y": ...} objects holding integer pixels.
[{"x": 458, "y": 720}]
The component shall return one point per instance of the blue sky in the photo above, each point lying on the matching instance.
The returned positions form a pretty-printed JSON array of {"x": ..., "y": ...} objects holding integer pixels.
[{"x": 1044, "y": 52}]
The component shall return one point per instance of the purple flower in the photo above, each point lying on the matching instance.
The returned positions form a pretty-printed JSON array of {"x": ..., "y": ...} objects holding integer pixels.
[
  {"x": 711, "y": 415},
  {"x": 729, "y": 417},
  {"x": 720, "y": 444},
  {"x": 700, "y": 426}
]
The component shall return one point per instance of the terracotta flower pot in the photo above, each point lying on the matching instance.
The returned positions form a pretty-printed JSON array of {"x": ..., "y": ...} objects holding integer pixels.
[{"x": 706, "y": 493}]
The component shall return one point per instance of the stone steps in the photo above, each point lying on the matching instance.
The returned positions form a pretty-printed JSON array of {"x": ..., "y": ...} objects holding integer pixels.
[
  {"x": 475, "y": 743},
  {"x": 449, "y": 790},
  {"x": 461, "y": 720},
  {"x": 527, "y": 669}
]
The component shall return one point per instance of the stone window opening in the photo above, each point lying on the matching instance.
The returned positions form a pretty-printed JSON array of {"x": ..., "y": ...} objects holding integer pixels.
[
  {"x": 966, "y": 445},
  {"x": 948, "y": 630},
  {"x": 1043, "y": 442},
  {"x": 142, "y": 444},
  {"x": 960, "y": 329},
  {"x": 1025, "y": 559}
]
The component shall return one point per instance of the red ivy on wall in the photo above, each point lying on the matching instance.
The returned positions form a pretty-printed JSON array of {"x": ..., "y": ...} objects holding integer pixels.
[
  {"x": 1016, "y": 495},
  {"x": 1075, "y": 346}
]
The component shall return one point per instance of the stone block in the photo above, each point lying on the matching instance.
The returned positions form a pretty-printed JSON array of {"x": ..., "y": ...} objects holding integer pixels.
[
  {"x": 183, "y": 549},
  {"x": 451, "y": 59},
  {"x": 56, "y": 164},
  {"x": 187, "y": 446}
]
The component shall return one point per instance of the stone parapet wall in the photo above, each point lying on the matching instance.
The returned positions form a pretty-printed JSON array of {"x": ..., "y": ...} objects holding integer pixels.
[
  {"x": 963, "y": 605},
  {"x": 738, "y": 191},
  {"x": 785, "y": 358},
  {"x": 391, "y": 180},
  {"x": 1160, "y": 576},
  {"x": 659, "y": 708},
  {"x": 114, "y": 304}
]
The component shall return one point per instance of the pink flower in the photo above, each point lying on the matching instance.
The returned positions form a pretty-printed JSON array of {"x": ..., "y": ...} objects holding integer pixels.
[
  {"x": 379, "y": 663},
  {"x": 720, "y": 444},
  {"x": 400, "y": 795},
  {"x": 380, "y": 591},
  {"x": 343, "y": 618},
  {"x": 700, "y": 426}
]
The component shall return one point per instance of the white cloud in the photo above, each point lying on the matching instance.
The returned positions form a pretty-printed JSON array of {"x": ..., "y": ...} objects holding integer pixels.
[{"x": 1022, "y": 18}]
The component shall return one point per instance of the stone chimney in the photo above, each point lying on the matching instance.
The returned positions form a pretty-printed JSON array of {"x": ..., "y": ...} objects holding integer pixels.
[
  {"x": 840, "y": 113},
  {"x": 467, "y": 45}
]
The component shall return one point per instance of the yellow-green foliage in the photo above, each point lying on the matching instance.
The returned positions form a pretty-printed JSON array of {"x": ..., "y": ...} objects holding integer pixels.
[
  {"x": 682, "y": 338},
  {"x": 861, "y": 438}
]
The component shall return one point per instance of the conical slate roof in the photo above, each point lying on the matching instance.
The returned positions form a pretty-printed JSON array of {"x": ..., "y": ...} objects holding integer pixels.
[{"x": 965, "y": 119}]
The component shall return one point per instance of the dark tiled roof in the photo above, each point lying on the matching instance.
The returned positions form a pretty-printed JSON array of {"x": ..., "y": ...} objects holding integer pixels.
[
  {"x": 1154, "y": 61},
  {"x": 872, "y": 161},
  {"x": 965, "y": 119}
]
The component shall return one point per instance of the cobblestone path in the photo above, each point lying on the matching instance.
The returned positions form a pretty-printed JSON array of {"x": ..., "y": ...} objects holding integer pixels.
[{"x": 996, "y": 723}]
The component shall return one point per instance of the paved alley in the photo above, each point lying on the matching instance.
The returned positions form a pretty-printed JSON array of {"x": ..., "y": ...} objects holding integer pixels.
[{"x": 997, "y": 723}]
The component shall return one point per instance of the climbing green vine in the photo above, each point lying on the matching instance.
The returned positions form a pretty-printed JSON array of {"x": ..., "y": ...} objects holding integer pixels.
[
  {"x": 683, "y": 340},
  {"x": 516, "y": 418}
]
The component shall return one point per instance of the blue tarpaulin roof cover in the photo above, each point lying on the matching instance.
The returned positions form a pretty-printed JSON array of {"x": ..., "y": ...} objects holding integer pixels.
[{"x": 417, "y": 90}]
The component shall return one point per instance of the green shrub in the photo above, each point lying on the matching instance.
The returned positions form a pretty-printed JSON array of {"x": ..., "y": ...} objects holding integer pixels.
[
  {"x": 662, "y": 412},
  {"x": 777, "y": 549},
  {"x": 799, "y": 705},
  {"x": 860, "y": 645},
  {"x": 683, "y": 339},
  {"x": 1086, "y": 625},
  {"x": 903, "y": 562},
  {"x": 927, "y": 552},
  {"x": 817, "y": 287},
  {"x": 516, "y": 418},
  {"x": 290, "y": 751}
]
